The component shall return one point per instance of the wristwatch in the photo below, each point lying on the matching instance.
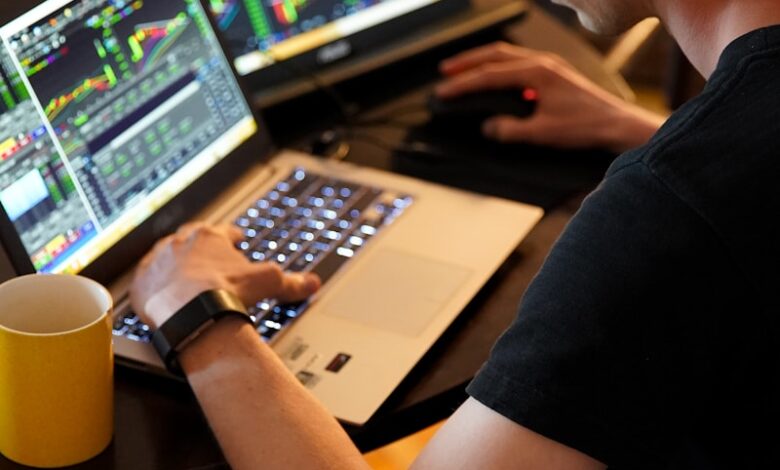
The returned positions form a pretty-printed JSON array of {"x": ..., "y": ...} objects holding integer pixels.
[{"x": 191, "y": 321}]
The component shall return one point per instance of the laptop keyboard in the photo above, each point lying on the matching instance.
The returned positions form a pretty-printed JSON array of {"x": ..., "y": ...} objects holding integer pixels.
[{"x": 307, "y": 223}]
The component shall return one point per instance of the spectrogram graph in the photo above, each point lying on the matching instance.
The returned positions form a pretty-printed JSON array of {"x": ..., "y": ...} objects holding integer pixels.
[
  {"x": 151, "y": 41},
  {"x": 103, "y": 82},
  {"x": 225, "y": 12},
  {"x": 146, "y": 43}
]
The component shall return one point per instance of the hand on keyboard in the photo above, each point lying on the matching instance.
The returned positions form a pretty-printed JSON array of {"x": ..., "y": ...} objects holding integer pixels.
[
  {"x": 201, "y": 257},
  {"x": 307, "y": 223}
]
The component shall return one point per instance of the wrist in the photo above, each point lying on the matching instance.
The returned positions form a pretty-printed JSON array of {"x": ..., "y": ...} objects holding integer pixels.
[
  {"x": 227, "y": 340},
  {"x": 630, "y": 127},
  {"x": 170, "y": 299},
  {"x": 195, "y": 319}
]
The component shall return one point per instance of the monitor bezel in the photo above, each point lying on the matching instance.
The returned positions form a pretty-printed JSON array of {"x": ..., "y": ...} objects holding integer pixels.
[
  {"x": 118, "y": 259},
  {"x": 304, "y": 67}
]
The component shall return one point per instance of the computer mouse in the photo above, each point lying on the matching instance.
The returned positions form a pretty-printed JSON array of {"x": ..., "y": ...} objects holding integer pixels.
[{"x": 471, "y": 110}]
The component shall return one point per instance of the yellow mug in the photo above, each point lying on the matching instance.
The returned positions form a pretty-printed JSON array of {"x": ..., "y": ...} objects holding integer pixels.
[{"x": 56, "y": 370}]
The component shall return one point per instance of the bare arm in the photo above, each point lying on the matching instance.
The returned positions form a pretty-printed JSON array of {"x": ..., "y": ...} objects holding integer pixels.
[
  {"x": 478, "y": 437},
  {"x": 260, "y": 414}
]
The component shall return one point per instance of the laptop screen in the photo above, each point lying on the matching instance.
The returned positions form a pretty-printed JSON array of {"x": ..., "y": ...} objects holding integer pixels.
[
  {"x": 108, "y": 110},
  {"x": 261, "y": 33}
]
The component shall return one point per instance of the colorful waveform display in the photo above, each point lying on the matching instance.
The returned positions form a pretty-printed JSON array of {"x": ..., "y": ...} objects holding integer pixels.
[
  {"x": 257, "y": 18},
  {"x": 7, "y": 101},
  {"x": 113, "y": 14},
  {"x": 31, "y": 69},
  {"x": 225, "y": 12},
  {"x": 286, "y": 11},
  {"x": 12, "y": 88},
  {"x": 13, "y": 145},
  {"x": 104, "y": 82},
  {"x": 151, "y": 41}
]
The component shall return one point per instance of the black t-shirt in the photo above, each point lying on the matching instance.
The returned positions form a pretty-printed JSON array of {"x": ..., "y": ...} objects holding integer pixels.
[{"x": 649, "y": 339}]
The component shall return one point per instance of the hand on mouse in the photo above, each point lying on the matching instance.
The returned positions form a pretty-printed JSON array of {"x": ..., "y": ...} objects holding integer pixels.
[{"x": 571, "y": 111}]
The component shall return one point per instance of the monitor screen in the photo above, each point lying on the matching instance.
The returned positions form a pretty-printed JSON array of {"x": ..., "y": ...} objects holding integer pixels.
[
  {"x": 108, "y": 110},
  {"x": 263, "y": 32}
]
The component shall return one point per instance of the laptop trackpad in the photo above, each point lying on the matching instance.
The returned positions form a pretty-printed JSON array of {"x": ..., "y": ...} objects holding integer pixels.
[{"x": 396, "y": 291}]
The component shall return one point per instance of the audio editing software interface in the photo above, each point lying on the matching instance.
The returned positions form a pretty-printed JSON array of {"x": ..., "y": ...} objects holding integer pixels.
[
  {"x": 109, "y": 108},
  {"x": 262, "y": 32}
]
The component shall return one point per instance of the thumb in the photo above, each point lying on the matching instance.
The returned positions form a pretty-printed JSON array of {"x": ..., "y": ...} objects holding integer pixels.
[
  {"x": 268, "y": 281},
  {"x": 298, "y": 286}
]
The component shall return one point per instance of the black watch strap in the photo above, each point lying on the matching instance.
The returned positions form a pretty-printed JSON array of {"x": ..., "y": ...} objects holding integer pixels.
[{"x": 193, "y": 319}]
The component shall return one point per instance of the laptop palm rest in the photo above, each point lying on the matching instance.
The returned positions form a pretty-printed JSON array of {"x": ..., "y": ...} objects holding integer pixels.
[{"x": 397, "y": 292}]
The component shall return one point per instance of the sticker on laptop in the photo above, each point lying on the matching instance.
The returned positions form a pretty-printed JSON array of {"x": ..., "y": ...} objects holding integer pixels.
[
  {"x": 307, "y": 379},
  {"x": 338, "y": 362}
]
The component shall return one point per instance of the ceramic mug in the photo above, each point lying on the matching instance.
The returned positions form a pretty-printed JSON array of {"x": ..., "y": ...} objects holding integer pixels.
[{"x": 56, "y": 370}]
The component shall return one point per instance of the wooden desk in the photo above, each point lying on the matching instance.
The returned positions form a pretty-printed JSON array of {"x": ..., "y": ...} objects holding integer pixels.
[{"x": 159, "y": 424}]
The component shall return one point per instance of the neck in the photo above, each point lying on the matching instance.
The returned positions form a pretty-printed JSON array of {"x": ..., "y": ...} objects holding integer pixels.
[{"x": 703, "y": 28}]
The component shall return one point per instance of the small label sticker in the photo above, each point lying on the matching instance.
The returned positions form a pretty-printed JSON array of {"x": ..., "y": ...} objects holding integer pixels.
[
  {"x": 298, "y": 351},
  {"x": 307, "y": 379},
  {"x": 294, "y": 352},
  {"x": 338, "y": 362}
]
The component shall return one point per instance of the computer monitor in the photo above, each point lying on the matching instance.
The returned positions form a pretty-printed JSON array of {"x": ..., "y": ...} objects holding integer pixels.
[
  {"x": 109, "y": 110},
  {"x": 276, "y": 42}
]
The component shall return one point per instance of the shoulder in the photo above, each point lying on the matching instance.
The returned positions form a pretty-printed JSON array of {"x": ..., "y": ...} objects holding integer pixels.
[
  {"x": 724, "y": 139},
  {"x": 719, "y": 156}
]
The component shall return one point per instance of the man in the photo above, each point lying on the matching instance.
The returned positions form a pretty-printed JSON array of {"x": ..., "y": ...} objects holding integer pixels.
[{"x": 646, "y": 340}]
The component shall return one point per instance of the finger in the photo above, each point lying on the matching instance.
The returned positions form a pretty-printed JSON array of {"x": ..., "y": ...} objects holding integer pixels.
[
  {"x": 496, "y": 52},
  {"x": 187, "y": 230},
  {"x": 231, "y": 232},
  {"x": 298, "y": 286},
  {"x": 491, "y": 77},
  {"x": 510, "y": 129},
  {"x": 267, "y": 280},
  {"x": 192, "y": 231}
]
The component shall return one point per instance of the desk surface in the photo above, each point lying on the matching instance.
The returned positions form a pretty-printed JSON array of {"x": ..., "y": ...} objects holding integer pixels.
[{"x": 159, "y": 424}]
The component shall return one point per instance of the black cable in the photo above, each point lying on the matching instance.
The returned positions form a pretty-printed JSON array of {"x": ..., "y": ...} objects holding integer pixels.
[
  {"x": 420, "y": 149},
  {"x": 390, "y": 118},
  {"x": 346, "y": 109},
  {"x": 348, "y": 130},
  {"x": 348, "y": 112}
]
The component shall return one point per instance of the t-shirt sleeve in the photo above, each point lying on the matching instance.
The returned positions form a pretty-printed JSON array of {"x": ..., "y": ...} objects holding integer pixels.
[{"x": 577, "y": 363}]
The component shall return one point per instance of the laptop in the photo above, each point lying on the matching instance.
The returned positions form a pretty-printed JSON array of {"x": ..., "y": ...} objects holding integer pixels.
[{"x": 121, "y": 120}]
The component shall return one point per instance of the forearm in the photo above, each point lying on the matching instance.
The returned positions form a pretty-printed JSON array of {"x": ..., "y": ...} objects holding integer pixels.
[{"x": 261, "y": 416}]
